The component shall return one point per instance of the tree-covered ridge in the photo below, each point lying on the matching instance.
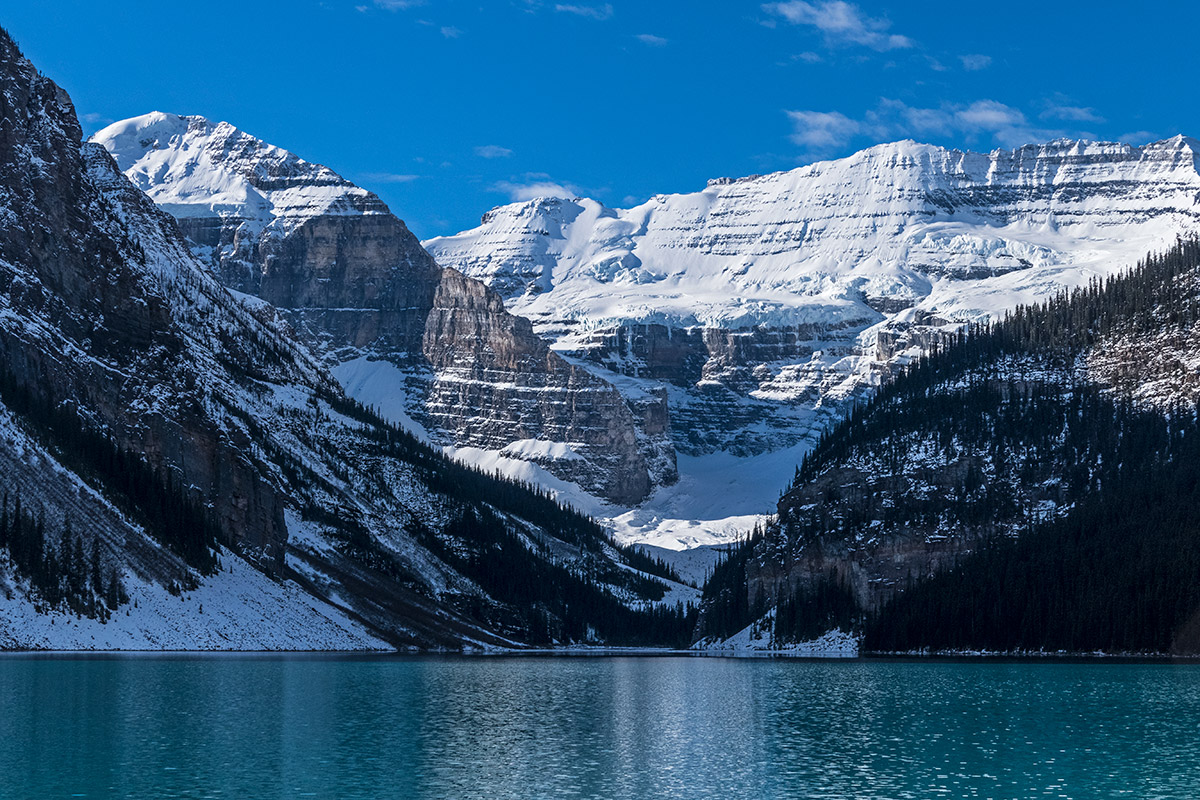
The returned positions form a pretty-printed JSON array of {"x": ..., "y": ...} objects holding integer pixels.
[
  {"x": 63, "y": 572},
  {"x": 1116, "y": 575},
  {"x": 1003, "y": 432},
  {"x": 532, "y": 593},
  {"x": 1040, "y": 344},
  {"x": 153, "y": 498},
  {"x": 544, "y": 596}
]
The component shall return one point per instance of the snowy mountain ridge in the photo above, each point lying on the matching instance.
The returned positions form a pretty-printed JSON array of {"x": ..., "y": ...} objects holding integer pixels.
[
  {"x": 737, "y": 322},
  {"x": 229, "y": 494},
  {"x": 191, "y": 167},
  {"x": 764, "y": 305},
  {"x": 896, "y": 225},
  {"x": 434, "y": 348}
]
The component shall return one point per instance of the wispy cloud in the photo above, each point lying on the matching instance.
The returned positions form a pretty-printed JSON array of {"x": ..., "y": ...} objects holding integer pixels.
[
  {"x": 536, "y": 185},
  {"x": 823, "y": 130},
  {"x": 397, "y": 5},
  {"x": 451, "y": 32},
  {"x": 841, "y": 23},
  {"x": 975, "y": 62},
  {"x": 651, "y": 39},
  {"x": 388, "y": 177},
  {"x": 986, "y": 121},
  {"x": 492, "y": 151},
  {"x": 595, "y": 12},
  {"x": 1072, "y": 114},
  {"x": 1140, "y": 137},
  {"x": 95, "y": 120}
]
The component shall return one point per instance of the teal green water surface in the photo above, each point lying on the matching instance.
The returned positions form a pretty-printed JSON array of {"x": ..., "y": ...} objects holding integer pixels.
[{"x": 622, "y": 727}]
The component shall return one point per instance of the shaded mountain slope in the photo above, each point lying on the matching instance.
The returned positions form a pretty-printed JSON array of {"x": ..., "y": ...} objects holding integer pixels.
[
  {"x": 903, "y": 518},
  {"x": 359, "y": 288},
  {"x": 141, "y": 397}
]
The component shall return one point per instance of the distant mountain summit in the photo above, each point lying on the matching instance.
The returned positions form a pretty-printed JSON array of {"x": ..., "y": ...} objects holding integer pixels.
[
  {"x": 179, "y": 470},
  {"x": 765, "y": 304},
  {"x": 894, "y": 226},
  {"x": 428, "y": 346}
]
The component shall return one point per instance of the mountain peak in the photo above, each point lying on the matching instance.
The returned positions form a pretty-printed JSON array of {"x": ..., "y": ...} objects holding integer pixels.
[{"x": 194, "y": 167}]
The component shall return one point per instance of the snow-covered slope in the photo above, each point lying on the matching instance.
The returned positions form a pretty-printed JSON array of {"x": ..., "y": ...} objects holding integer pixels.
[
  {"x": 149, "y": 416},
  {"x": 896, "y": 225},
  {"x": 763, "y": 305},
  {"x": 359, "y": 289},
  {"x": 216, "y": 168}
]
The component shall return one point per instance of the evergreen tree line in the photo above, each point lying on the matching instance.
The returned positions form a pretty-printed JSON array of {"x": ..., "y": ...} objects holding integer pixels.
[
  {"x": 651, "y": 565},
  {"x": 1004, "y": 403},
  {"x": 528, "y": 501},
  {"x": 1119, "y": 574},
  {"x": 1159, "y": 293},
  {"x": 725, "y": 604},
  {"x": 56, "y": 566},
  {"x": 807, "y": 613},
  {"x": 549, "y": 602},
  {"x": 155, "y": 498},
  {"x": 543, "y": 601},
  {"x": 459, "y": 481}
]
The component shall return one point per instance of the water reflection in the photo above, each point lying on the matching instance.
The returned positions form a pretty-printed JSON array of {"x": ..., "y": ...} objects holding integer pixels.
[{"x": 603, "y": 728}]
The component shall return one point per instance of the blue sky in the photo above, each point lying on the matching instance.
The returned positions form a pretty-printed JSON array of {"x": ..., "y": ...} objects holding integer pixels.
[{"x": 447, "y": 108}]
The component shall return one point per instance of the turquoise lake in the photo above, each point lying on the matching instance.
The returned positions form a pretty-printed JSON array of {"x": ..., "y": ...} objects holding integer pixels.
[{"x": 619, "y": 727}]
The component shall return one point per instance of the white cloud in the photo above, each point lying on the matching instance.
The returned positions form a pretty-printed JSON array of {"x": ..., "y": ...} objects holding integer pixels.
[
  {"x": 398, "y": 5},
  {"x": 492, "y": 151},
  {"x": 536, "y": 186},
  {"x": 841, "y": 23},
  {"x": 388, "y": 177},
  {"x": 975, "y": 62},
  {"x": 651, "y": 39},
  {"x": 595, "y": 12},
  {"x": 823, "y": 130},
  {"x": 989, "y": 115},
  {"x": 1072, "y": 114},
  {"x": 1139, "y": 137},
  {"x": 986, "y": 122},
  {"x": 450, "y": 32}
]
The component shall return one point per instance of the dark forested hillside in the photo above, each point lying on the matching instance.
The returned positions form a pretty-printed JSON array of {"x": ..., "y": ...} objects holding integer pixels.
[
  {"x": 171, "y": 451},
  {"x": 1003, "y": 493}
]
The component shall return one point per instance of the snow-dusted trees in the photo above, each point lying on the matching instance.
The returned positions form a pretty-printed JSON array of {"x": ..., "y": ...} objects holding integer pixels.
[{"x": 54, "y": 565}]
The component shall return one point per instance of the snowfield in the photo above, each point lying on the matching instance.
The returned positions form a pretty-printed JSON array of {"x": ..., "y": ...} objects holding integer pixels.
[
  {"x": 239, "y": 608},
  {"x": 756, "y": 639},
  {"x": 866, "y": 259}
]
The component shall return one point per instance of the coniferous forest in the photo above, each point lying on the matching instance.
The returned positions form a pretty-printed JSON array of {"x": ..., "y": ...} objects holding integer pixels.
[
  {"x": 536, "y": 601},
  {"x": 1074, "y": 504}
]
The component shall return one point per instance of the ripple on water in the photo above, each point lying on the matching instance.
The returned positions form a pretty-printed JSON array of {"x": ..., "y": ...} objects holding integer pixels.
[{"x": 595, "y": 728}]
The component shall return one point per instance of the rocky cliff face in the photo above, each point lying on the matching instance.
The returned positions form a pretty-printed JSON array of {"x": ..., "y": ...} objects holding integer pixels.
[
  {"x": 332, "y": 529},
  {"x": 358, "y": 286},
  {"x": 765, "y": 304},
  {"x": 96, "y": 308},
  {"x": 1061, "y": 409}
]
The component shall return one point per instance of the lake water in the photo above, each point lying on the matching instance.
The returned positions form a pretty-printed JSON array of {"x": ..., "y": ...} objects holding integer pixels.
[{"x": 625, "y": 727}]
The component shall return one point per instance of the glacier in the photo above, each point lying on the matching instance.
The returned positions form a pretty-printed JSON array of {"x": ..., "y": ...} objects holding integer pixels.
[{"x": 764, "y": 306}]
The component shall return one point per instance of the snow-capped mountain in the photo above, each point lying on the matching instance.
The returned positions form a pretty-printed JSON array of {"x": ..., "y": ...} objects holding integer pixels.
[
  {"x": 425, "y": 345},
  {"x": 763, "y": 304},
  {"x": 178, "y": 471},
  {"x": 894, "y": 226}
]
